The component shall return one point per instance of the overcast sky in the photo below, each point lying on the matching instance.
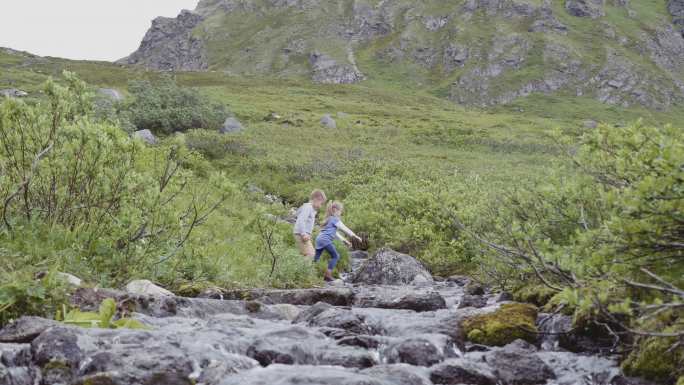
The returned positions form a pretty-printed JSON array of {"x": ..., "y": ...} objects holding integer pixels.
[{"x": 81, "y": 29}]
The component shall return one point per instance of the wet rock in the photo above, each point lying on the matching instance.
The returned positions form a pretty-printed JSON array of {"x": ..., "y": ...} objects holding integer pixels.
[
  {"x": 388, "y": 267},
  {"x": 231, "y": 125},
  {"x": 476, "y": 301},
  {"x": 427, "y": 350},
  {"x": 25, "y": 329},
  {"x": 14, "y": 355},
  {"x": 514, "y": 365},
  {"x": 328, "y": 122},
  {"x": 332, "y": 295},
  {"x": 569, "y": 368},
  {"x": 366, "y": 342},
  {"x": 318, "y": 375},
  {"x": 585, "y": 8},
  {"x": 459, "y": 280},
  {"x": 340, "y": 319},
  {"x": 145, "y": 287},
  {"x": 474, "y": 288},
  {"x": 290, "y": 347},
  {"x": 287, "y": 311},
  {"x": 504, "y": 296},
  {"x": 147, "y": 136},
  {"x": 171, "y": 45},
  {"x": 623, "y": 380},
  {"x": 385, "y": 298},
  {"x": 399, "y": 374},
  {"x": 359, "y": 254},
  {"x": 461, "y": 371}
]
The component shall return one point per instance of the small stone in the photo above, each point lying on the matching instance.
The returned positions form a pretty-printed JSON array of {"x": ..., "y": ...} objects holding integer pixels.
[
  {"x": 231, "y": 125},
  {"x": 590, "y": 124},
  {"x": 328, "y": 122},
  {"x": 13, "y": 93},
  {"x": 70, "y": 279},
  {"x": 504, "y": 296}
]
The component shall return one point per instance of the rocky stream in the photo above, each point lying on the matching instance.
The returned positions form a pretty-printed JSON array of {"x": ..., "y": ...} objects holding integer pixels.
[{"x": 388, "y": 323}]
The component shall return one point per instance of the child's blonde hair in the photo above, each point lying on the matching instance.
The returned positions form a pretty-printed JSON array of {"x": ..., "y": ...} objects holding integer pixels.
[
  {"x": 318, "y": 194},
  {"x": 331, "y": 210}
]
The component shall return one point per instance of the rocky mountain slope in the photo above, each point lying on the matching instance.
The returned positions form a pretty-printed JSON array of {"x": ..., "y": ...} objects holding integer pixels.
[{"x": 475, "y": 52}]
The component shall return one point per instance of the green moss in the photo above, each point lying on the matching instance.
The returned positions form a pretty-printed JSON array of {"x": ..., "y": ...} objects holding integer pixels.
[
  {"x": 680, "y": 381},
  {"x": 538, "y": 295},
  {"x": 56, "y": 365},
  {"x": 654, "y": 359},
  {"x": 511, "y": 322}
]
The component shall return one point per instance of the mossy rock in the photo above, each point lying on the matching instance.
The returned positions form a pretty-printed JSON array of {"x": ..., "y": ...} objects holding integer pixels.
[
  {"x": 653, "y": 359},
  {"x": 680, "y": 381},
  {"x": 538, "y": 295},
  {"x": 511, "y": 322}
]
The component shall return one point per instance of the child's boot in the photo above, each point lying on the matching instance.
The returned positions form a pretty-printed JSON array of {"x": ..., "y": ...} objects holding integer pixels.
[{"x": 328, "y": 276}]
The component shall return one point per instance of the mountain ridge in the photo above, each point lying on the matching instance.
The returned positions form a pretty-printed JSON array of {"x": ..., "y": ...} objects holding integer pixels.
[{"x": 473, "y": 52}]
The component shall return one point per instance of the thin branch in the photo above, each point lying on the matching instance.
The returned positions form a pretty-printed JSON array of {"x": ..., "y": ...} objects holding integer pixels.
[{"x": 24, "y": 185}]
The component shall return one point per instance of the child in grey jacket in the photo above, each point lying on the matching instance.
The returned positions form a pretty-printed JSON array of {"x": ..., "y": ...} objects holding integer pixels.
[{"x": 306, "y": 217}]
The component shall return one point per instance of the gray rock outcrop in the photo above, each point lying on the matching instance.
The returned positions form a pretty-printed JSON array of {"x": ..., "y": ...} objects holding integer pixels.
[
  {"x": 146, "y": 136},
  {"x": 585, "y": 8},
  {"x": 171, "y": 45},
  {"x": 13, "y": 93}
]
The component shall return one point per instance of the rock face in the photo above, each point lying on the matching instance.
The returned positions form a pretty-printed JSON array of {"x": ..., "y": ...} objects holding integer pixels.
[
  {"x": 351, "y": 335},
  {"x": 171, "y": 45},
  {"x": 437, "y": 46},
  {"x": 389, "y": 267},
  {"x": 585, "y": 8},
  {"x": 676, "y": 9}
]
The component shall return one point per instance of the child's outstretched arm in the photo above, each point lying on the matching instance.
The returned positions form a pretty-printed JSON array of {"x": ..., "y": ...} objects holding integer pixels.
[{"x": 347, "y": 230}]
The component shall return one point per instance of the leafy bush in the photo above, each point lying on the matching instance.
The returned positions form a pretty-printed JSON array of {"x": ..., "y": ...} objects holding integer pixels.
[
  {"x": 607, "y": 233},
  {"x": 164, "y": 107},
  {"x": 214, "y": 145}
]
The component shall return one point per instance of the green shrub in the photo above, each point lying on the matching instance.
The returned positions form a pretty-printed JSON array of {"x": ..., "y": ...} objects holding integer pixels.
[
  {"x": 654, "y": 358},
  {"x": 214, "y": 145},
  {"x": 164, "y": 107}
]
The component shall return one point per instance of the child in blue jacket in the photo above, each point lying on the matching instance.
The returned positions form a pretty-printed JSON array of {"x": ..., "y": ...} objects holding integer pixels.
[{"x": 324, "y": 241}]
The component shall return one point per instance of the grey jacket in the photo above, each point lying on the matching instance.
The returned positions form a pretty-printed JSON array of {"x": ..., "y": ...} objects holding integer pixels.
[{"x": 306, "y": 216}]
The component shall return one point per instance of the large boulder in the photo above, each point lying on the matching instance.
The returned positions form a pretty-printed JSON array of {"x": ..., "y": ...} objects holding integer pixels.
[
  {"x": 388, "y": 267},
  {"x": 146, "y": 136},
  {"x": 330, "y": 71}
]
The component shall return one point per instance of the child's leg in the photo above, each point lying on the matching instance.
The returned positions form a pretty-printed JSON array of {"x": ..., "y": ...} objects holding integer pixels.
[
  {"x": 317, "y": 256},
  {"x": 334, "y": 254}
]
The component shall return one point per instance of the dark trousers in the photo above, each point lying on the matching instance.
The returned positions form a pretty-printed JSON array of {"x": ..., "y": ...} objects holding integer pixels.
[{"x": 333, "y": 253}]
